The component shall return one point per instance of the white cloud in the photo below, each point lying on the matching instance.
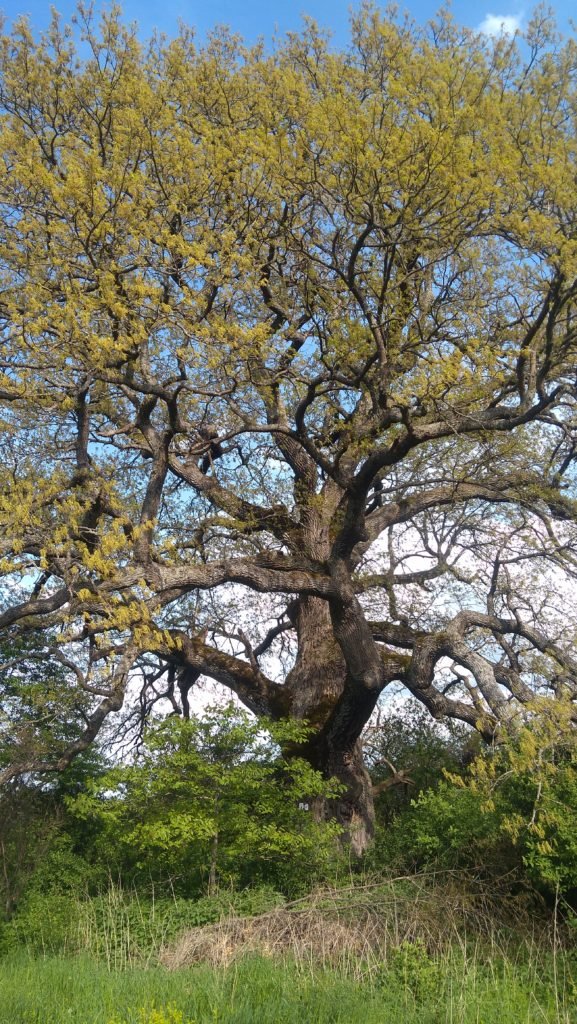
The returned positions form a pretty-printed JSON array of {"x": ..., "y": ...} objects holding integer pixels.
[{"x": 500, "y": 24}]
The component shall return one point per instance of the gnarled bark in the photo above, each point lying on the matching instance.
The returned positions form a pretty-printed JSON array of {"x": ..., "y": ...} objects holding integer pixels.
[{"x": 316, "y": 690}]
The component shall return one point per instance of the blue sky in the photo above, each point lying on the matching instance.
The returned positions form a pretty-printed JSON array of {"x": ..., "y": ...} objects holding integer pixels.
[{"x": 253, "y": 18}]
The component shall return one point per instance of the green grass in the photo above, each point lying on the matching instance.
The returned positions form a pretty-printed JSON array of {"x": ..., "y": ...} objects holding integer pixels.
[{"x": 410, "y": 989}]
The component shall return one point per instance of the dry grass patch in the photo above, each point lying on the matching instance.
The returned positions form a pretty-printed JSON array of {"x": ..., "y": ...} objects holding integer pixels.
[{"x": 357, "y": 928}]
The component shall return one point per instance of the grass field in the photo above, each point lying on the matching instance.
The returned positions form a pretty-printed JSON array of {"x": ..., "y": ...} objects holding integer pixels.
[{"x": 411, "y": 988}]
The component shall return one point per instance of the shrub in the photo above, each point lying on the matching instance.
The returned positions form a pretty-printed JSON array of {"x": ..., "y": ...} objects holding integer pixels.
[
  {"x": 211, "y": 803},
  {"x": 514, "y": 810}
]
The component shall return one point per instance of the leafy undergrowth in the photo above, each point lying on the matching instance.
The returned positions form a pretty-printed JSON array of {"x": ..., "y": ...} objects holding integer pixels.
[
  {"x": 123, "y": 927},
  {"x": 411, "y": 986}
]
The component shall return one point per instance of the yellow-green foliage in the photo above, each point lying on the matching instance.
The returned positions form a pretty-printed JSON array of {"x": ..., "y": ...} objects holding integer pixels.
[
  {"x": 531, "y": 783},
  {"x": 166, "y": 1015},
  {"x": 514, "y": 809},
  {"x": 139, "y": 178}
]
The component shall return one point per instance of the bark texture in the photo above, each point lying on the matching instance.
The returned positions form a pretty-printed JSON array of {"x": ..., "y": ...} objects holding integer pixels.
[{"x": 316, "y": 691}]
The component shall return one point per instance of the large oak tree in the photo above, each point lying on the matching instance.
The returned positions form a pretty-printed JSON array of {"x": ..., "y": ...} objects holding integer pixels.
[{"x": 288, "y": 374}]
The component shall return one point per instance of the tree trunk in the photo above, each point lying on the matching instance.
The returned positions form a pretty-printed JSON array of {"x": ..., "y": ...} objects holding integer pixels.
[
  {"x": 354, "y": 809},
  {"x": 316, "y": 691}
]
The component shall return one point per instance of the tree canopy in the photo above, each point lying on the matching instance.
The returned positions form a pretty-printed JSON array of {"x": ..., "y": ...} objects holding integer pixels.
[{"x": 288, "y": 373}]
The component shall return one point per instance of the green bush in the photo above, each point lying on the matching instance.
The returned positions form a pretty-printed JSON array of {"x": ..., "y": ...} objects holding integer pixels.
[
  {"x": 46, "y": 924},
  {"x": 415, "y": 972},
  {"x": 515, "y": 810},
  {"x": 410, "y": 741},
  {"x": 47, "y": 917},
  {"x": 448, "y": 827},
  {"x": 212, "y": 803}
]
